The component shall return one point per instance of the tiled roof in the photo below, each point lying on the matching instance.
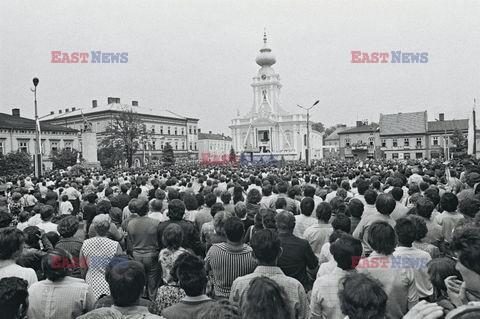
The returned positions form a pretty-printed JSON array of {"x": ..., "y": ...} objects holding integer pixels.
[
  {"x": 361, "y": 129},
  {"x": 211, "y": 136},
  {"x": 334, "y": 136},
  {"x": 114, "y": 107},
  {"x": 449, "y": 125},
  {"x": 8, "y": 121},
  {"x": 403, "y": 123}
]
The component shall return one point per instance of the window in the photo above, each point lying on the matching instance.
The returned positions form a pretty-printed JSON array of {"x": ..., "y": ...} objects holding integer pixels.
[
  {"x": 161, "y": 145},
  {"x": 191, "y": 146},
  {"x": 168, "y": 130},
  {"x": 195, "y": 146},
  {"x": 68, "y": 145},
  {"x": 384, "y": 143},
  {"x": 183, "y": 145},
  {"x": 176, "y": 145},
  {"x": 195, "y": 130},
  {"x": 161, "y": 130},
  {"x": 154, "y": 147},
  {"x": 371, "y": 141},
  {"x": 23, "y": 146},
  {"x": 183, "y": 131},
  {"x": 395, "y": 144},
  {"x": 175, "y": 131},
  {"x": 2, "y": 150},
  {"x": 419, "y": 141},
  {"x": 190, "y": 129},
  {"x": 418, "y": 155},
  {"x": 406, "y": 156},
  {"x": 347, "y": 142},
  {"x": 435, "y": 140},
  {"x": 153, "y": 129},
  {"x": 394, "y": 155},
  {"x": 406, "y": 142}
]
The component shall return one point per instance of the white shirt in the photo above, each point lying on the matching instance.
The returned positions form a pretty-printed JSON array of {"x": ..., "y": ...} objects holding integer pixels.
[
  {"x": 8, "y": 268},
  {"x": 48, "y": 227}
]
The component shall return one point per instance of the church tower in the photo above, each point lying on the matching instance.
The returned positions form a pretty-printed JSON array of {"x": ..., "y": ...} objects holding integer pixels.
[{"x": 266, "y": 85}]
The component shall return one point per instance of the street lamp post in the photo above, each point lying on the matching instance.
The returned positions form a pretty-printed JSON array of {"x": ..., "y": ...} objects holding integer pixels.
[
  {"x": 307, "y": 153},
  {"x": 38, "y": 155}
]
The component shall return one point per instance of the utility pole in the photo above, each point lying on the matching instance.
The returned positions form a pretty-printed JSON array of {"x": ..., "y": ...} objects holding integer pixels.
[
  {"x": 307, "y": 153},
  {"x": 38, "y": 155}
]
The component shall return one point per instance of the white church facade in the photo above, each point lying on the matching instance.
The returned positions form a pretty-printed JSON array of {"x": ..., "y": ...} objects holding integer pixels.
[{"x": 267, "y": 128}]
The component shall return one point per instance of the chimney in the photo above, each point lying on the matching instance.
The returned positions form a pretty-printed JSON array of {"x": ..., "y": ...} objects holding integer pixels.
[
  {"x": 16, "y": 112},
  {"x": 441, "y": 117},
  {"x": 66, "y": 110},
  {"x": 52, "y": 112},
  {"x": 59, "y": 111},
  {"x": 359, "y": 123},
  {"x": 198, "y": 130},
  {"x": 110, "y": 100},
  {"x": 134, "y": 103},
  {"x": 94, "y": 103},
  {"x": 73, "y": 109}
]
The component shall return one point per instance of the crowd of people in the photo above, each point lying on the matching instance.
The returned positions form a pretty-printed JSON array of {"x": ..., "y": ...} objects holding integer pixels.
[{"x": 338, "y": 239}]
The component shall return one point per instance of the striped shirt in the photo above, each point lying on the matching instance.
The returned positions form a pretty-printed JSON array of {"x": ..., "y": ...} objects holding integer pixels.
[{"x": 227, "y": 263}]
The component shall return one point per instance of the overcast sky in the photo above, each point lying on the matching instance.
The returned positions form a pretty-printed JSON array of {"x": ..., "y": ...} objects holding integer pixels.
[{"x": 198, "y": 57}]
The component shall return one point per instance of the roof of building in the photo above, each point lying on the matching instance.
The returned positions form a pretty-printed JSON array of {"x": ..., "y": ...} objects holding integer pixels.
[
  {"x": 403, "y": 123},
  {"x": 115, "y": 107},
  {"x": 212, "y": 136},
  {"x": 334, "y": 136},
  {"x": 449, "y": 125},
  {"x": 8, "y": 121},
  {"x": 361, "y": 129}
]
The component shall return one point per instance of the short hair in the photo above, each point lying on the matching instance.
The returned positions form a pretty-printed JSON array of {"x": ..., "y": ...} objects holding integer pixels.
[
  {"x": 324, "y": 212},
  {"x": 191, "y": 274},
  {"x": 385, "y": 204},
  {"x": 267, "y": 190},
  {"x": 226, "y": 197},
  {"x": 190, "y": 201},
  {"x": 355, "y": 207},
  {"x": 370, "y": 196},
  {"x": 254, "y": 196},
  {"x": 282, "y": 187},
  {"x": 126, "y": 281},
  {"x": 46, "y": 212},
  {"x": 281, "y": 203},
  {"x": 449, "y": 202},
  {"x": 104, "y": 206},
  {"x": 433, "y": 195},
  {"x": 268, "y": 218},
  {"x": 397, "y": 193},
  {"x": 156, "y": 205},
  {"x": 362, "y": 186},
  {"x": 32, "y": 235},
  {"x": 362, "y": 296},
  {"x": 140, "y": 207},
  {"x": 421, "y": 229},
  {"x": 219, "y": 222},
  {"x": 266, "y": 245},
  {"x": 344, "y": 250},
  {"x": 424, "y": 207},
  {"x": 220, "y": 309},
  {"x": 172, "y": 236},
  {"x": 210, "y": 199},
  {"x": 176, "y": 209},
  {"x": 381, "y": 237},
  {"x": 341, "y": 222},
  {"x": 102, "y": 227},
  {"x": 54, "y": 266},
  {"x": 469, "y": 207},
  {"x": 13, "y": 295},
  {"x": 68, "y": 226},
  {"x": 64, "y": 198},
  {"x": 217, "y": 207},
  {"x": 285, "y": 221},
  {"x": 266, "y": 299},
  {"x": 234, "y": 229},
  {"x": 240, "y": 209},
  {"x": 309, "y": 191},
  {"x": 466, "y": 245},
  {"x": 11, "y": 242},
  {"x": 307, "y": 205},
  {"x": 406, "y": 231}
]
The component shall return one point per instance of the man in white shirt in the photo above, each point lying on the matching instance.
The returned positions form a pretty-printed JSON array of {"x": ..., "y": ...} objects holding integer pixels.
[{"x": 46, "y": 214}]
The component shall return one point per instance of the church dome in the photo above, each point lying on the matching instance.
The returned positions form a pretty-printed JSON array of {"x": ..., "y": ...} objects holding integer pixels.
[{"x": 266, "y": 57}]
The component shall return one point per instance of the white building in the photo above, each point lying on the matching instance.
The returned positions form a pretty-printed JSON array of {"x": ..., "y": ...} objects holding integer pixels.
[
  {"x": 214, "y": 144},
  {"x": 267, "y": 127},
  {"x": 163, "y": 125},
  {"x": 18, "y": 134}
]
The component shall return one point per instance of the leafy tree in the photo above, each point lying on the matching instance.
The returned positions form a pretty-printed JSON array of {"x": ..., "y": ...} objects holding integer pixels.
[
  {"x": 168, "y": 156},
  {"x": 63, "y": 158},
  {"x": 319, "y": 127},
  {"x": 110, "y": 156},
  {"x": 329, "y": 131},
  {"x": 460, "y": 143},
  {"x": 126, "y": 132},
  {"x": 15, "y": 163}
]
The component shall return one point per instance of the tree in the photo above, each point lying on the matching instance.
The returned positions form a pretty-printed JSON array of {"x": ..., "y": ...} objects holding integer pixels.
[
  {"x": 126, "y": 132},
  {"x": 319, "y": 127},
  {"x": 329, "y": 131},
  {"x": 459, "y": 143},
  {"x": 15, "y": 163},
  {"x": 110, "y": 156},
  {"x": 168, "y": 156},
  {"x": 64, "y": 158}
]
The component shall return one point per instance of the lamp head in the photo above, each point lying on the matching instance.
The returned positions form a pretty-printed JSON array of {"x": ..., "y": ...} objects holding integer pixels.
[{"x": 35, "y": 82}]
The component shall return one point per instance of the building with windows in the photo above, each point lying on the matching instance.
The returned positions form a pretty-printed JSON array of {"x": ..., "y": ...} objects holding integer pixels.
[
  {"x": 214, "y": 144},
  {"x": 18, "y": 134},
  {"x": 331, "y": 143},
  {"x": 404, "y": 135},
  {"x": 440, "y": 133},
  {"x": 360, "y": 142},
  {"x": 268, "y": 127},
  {"x": 163, "y": 126}
]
